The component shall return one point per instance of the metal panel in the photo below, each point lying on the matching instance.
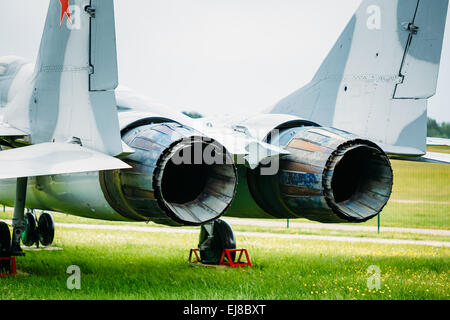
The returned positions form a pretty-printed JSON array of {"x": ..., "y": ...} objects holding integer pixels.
[
  {"x": 106, "y": 122},
  {"x": 54, "y": 158},
  {"x": 61, "y": 105},
  {"x": 420, "y": 65},
  {"x": 103, "y": 55}
]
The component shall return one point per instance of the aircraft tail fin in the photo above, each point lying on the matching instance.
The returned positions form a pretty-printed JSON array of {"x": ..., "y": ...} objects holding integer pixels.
[
  {"x": 377, "y": 78},
  {"x": 75, "y": 77}
]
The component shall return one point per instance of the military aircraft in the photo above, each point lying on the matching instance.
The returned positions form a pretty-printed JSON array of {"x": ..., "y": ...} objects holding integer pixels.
[{"x": 73, "y": 142}]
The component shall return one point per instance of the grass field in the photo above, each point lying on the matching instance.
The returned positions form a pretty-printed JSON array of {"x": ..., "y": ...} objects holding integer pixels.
[
  {"x": 128, "y": 265},
  {"x": 441, "y": 149},
  {"x": 134, "y": 265}
]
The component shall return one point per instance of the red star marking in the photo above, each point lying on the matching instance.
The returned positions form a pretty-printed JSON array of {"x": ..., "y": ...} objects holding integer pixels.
[{"x": 64, "y": 11}]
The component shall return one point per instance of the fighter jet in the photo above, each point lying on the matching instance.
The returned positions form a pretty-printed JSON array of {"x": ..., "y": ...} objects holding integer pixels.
[{"x": 73, "y": 142}]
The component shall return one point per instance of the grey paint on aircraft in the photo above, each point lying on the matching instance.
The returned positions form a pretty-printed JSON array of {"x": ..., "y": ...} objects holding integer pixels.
[
  {"x": 103, "y": 47},
  {"x": 79, "y": 194},
  {"x": 420, "y": 65},
  {"x": 105, "y": 102},
  {"x": 54, "y": 158},
  {"x": 63, "y": 104},
  {"x": 373, "y": 90},
  {"x": 44, "y": 103},
  {"x": 413, "y": 131},
  {"x": 406, "y": 11},
  {"x": 431, "y": 23}
]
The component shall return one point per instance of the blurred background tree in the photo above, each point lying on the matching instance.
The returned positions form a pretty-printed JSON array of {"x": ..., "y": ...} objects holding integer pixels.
[
  {"x": 193, "y": 114},
  {"x": 437, "y": 130}
]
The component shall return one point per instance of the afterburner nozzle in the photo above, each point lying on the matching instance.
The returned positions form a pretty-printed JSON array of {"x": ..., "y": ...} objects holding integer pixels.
[
  {"x": 178, "y": 177},
  {"x": 329, "y": 176}
]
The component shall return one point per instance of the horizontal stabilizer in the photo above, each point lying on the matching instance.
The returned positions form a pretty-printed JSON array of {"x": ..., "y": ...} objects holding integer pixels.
[
  {"x": 437, "y": 157},
  {"x": 431, "y": 157},
  {"x": 54, "y": 158},
  {"x": 8, "y": 131}
]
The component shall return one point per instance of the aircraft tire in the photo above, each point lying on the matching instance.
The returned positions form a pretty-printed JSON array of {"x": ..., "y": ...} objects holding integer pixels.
[
  {"x": 30, "y": 234},
  {"x": 213, "y": 245},
  {"x": 5, "y": 240},
  {"x": 225, "y": 236},
  {"x": 46, "y": 228}
]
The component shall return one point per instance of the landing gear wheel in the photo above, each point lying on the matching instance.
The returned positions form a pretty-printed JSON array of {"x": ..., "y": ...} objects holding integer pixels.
[
  {"x": 5, "y": 240},
  {"x": 5, "y": 246},
  {"x": 46, "y": 228},
  {"x": 215, "y": 236},
  {"x": 30, "y": 235}
]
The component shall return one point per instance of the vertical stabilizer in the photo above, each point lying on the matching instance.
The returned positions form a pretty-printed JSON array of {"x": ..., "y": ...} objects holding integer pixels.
[
  {"x": 75, "y": 76},
  {"x": 377, "y": 78}
]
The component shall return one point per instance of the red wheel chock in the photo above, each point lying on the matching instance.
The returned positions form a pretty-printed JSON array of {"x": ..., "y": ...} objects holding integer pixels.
[
  {"x": 12, "y": 266},
  {"x": 226, "y": 259},
  {"x": 238, "y": 263},
  {"x": 197, "y": 257}
]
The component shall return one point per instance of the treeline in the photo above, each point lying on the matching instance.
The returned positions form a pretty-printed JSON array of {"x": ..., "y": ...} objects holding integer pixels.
[
  {"x": 437, "y": 130},
  {"x": 193, "y": 114}
]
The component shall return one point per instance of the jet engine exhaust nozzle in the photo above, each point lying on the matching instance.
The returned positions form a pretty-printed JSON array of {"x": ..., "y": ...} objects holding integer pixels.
[
  {"x": 330, "y": 176},
  {"x": 194, "y": 192},
  {"x": 178, "y": 177}
]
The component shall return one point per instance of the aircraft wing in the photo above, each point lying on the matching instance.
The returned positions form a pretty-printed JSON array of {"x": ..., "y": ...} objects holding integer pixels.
[
  {"x": 431, "y": 141},
  {"x": 54, "y": 158},
  {"x": 412, "y": 154},
  {"x": 437, "y": 157},
  {"x": 431, "y": 157}
]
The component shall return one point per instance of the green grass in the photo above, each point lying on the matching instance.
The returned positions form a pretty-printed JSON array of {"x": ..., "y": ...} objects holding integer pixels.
[
  {"x": 62, "y": 218},
  {"x": 432, "y": 216},
  {"x": 128, "y": 265},
  {"x": 421, "y": 181},
  {"x": 427, "y": 187},
  {"x": 441, "y": 149},
  {"x": 424, "y": 192}
]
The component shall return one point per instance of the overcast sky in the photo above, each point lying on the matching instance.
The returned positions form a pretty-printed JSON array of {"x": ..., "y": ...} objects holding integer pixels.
[{"x": 215, "y": 56}]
